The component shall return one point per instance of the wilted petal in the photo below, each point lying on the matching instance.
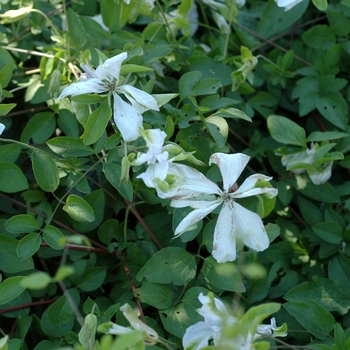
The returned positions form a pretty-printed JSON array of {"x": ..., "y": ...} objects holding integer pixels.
[
  {"x": 322, "y": 176},
  {"x": 91, "y": 86},
  {"x": 197, "y": 336},
  {"x": 196, "y": 215},
  {"x": 248, "y": 188},
  {"x": 230, "y": 165},
  {"x": 139, "y": 99},
  {"x": 110, "y": 69},
  {"x": 249, "y": 228},
  {"x": 224, "y": 245},
  {"x": 127, "y": 119}
]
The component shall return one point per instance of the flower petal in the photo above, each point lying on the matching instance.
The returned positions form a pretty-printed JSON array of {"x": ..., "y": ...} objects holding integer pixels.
[
  {"x": 196, "y": 215},
  {"x": 139, "y": 99},
  {"x": 224, "y": 245},
  {"x": 249, "y": 228},
  {"x": 127, "y": 119},
  {"x": 197, "y": 336},
  {"x": 2, "y": 128},
  {"x": 110, "y": 69},
  {"x": 90, "y": 86},
  {"x": 248, "y": 188},
  {"x": 230, "y": 165}
]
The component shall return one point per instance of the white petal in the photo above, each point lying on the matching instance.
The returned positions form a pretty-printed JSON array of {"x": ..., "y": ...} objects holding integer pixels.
[
  {"x": 90, "y": 73},
  {"x": 320, "y": 177},
  {"x": 127, "y": 119},
  {"x": 149, "y": 176},
  {"x": 247, "y": 188},
  {"x": 197, "y": 336},
  {"x": 249, "y": 228},
  {"x": 91, "y": 86},
  {"x": 2, "y": 128},
  {"x": 195, "y": 204},
  {"x": 139, "y": 99},
  {"x": 230, "y": 165},
  {"x": 224, "y": 245},
  {"x": 110, "y": 69},
  {"x": 196, "y": 215}
]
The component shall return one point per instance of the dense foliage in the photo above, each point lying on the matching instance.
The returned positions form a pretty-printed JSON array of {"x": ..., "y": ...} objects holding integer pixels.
[{"x": 130, "y": 216}]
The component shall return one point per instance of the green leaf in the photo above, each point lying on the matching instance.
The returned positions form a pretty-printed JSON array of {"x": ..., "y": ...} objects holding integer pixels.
[
  {"x": 10, "y": 289},
  {"x": 60, "y": 311},
  {"x": 321, "y": 4},
  {"x": 224, "y": 276},
  {"x": 286, "y": 131},
  {"x": 11, "y": 178},
  {"x": 54, "y": 237},
  {"x": 330, "y": 294},
  {"x": 97, "y": 123},
  {"x": 22, "y": 223},
  {"x": 10, "y": 153},
  {"x": 339, "y": 22},
  {"x": 39, "y": 128},
  {"x": 45, "y": 171},
  {"x": 233, "y": 113},
  {"x": 310, "y": 212},
  {"x": 92, "y": 279},
  {"x": 169, "y": 265},
  {"x": 319, "y": 36},
  {"x": 36, "y": 280},
  {"x": 88, "y": 332},
  {"x": 6, "y": 108},
  {"x": 311, "y": 315},
  {"x": 339, "y": 269},
  {"x": 113, "y": 174},
  {"x": 329, "y": 231},
  {"x": 79, "y": 209},
  {"x": 77, "y": 35},
  {"x": 318, "y": 136},
  {"x": 28, "y": 245},
  {"x": 62, "y": 273},
  {"x": 159, "y": 296},
  {"x": 69, "y": 146},
  {"x": 322, "y": 193}
]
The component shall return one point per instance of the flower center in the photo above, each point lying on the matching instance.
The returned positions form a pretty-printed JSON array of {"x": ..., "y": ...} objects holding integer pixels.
[
  {"x": 225, "y": 196},
  {"x": 110, "y": 84}
]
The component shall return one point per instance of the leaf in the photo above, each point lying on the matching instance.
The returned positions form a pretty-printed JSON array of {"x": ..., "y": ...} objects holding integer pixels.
[
  {"x": 69, "y": 146},
  {"x": 311, "y": 315},
  {"x": 317, "y": 136},
  {"x": 322, "y": 193},
  {"x": 233, "y": 113},
  {"x": 21, "y": 223},
  {"x": 92, "y": 279},
  {"x": 321, "y": 4},
  {"x": 286, "y": 131},
  {"x": 54, "y": 237},
  {"x": 169, "y": 265},
  {"x": 10, "y": 289},
  {"x": 6, "y": 108},
  {"x": 28, "y": 245},
  {"x": 11, "y": 178},
  {"x": 97, "y": 123},
  {"x": 36, "y": 280},
  {"x": 339, "y": 269},
  {"x": 329, "y": 231},
  {"x": 79, "y": 209},
  {"x": 159, "y": 296},
  {"x": 39, "y": 128},
  {"x": 320, "y": 36},
  {"x": 330, "y": 294},
  {"x": 60, "y": 311},
  {"x": 45, "y": 171},
  {"x": 224, "y": 276}
]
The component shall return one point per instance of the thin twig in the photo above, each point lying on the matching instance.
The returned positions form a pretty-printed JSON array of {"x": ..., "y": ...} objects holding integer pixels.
[{"x": 24, "y": 306}]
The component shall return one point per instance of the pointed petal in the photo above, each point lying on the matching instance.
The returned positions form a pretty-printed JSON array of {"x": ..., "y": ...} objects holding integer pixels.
[
  {"x": 91, "y": 86},
  {"x": 197, "y": 336},
  {"x": 90, "y": 73},
  {"x": 110, "y": 69},
  {"x": 127, "y": 119},
  {"x": 200, "y": 204},
  {"x": 139, "y": 99},
  {"x": 224, "y": 245},
  {"x": 2, "y": 128},
  {"x": 230, "y": 165},
  {"x": 249, "y": 228},
  {"x": 196, "y": 215},
  {"x": 248, "y": 189}
]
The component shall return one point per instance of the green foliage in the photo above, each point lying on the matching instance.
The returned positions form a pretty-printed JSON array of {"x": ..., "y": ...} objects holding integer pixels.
[{"x": 87, "y": 247}]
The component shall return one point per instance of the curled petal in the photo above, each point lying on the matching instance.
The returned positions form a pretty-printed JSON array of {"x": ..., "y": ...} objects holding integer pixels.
[
  {"x": 224, "y": 245},
  {"x": 127, "y": 119},
  {"x": 248, "y": 188},
  {"x": 249, "y": 228},
  {"x": 196, "y": 215},
  {"x": 139, "y": 99},
  {"x": 197, "y": 336},
  {"x": 230, "y": 165},
  {"x": 110, "y": 69},
  {"x": 91, "y": 86}
]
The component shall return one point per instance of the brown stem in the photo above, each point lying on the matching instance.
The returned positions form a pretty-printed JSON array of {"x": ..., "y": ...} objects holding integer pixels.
[
  {"x": 24, "y": 306},
  {"x": 81, "y": 247},
  {"x": 318, "y": 121}
]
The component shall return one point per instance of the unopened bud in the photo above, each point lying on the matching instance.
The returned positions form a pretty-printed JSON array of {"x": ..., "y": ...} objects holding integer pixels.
[
  {"x": 15, "y": 15},
  {"x": 55, "y": 82}
]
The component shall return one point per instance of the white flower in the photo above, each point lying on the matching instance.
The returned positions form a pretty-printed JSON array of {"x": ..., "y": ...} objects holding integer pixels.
[
  {"x": 217, "y": 316},
  {"x": 295, "y": 161},
  {"x": 234, "y": 221},
  {"x": 287, "y": 4},
  {"x": 2, "y": 128},
  {"x": 105, "y": 79}
]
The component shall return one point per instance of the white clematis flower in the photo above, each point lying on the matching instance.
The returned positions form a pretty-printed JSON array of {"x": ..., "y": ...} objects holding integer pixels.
[
  {"x": 287, "y": 4},
  {"x": 2, "y": 128},
  {"x": 105, "y": 79},
  {"x": 217, "y": 316},
  {"x": 234, "y": 221}
]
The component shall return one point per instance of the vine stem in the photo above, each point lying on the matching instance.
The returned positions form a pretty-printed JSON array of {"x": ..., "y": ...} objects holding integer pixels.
[{"x": 24, "y": 306}]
